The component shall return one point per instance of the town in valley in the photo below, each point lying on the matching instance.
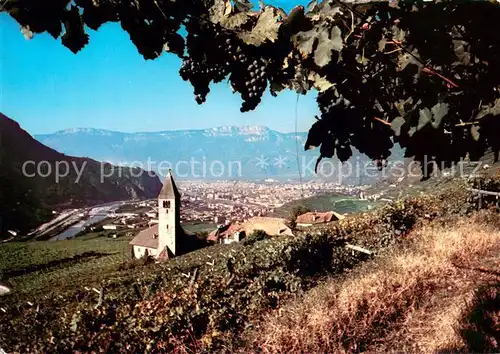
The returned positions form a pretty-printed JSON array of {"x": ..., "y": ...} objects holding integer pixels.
[{"x": 205, "y": 206}]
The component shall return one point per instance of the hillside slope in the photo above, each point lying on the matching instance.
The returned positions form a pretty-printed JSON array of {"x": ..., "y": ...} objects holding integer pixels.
[
  {"x": 27, "y": 197},
  {"x": 307, "y": 293}
]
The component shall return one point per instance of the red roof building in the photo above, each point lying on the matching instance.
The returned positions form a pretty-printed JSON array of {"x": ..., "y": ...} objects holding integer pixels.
[{"x": 314, "y": 217}]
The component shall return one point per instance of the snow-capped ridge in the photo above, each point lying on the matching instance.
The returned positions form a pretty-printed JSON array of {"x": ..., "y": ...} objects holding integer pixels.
[{"x": 85, "y": 131}]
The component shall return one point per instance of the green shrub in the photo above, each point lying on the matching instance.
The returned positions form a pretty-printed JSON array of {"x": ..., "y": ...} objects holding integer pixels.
[
  {"x": 257, "y": 235},
  {"x": 298, "y": 210}
]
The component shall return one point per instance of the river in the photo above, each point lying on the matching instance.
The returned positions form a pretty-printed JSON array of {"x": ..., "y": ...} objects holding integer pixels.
[{"x": 93, "y": 215}]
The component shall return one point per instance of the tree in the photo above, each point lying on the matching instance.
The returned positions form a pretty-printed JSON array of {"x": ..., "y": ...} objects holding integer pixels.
[
  {"x": 421, "y": 74},
  {"x": 298, "y": 210}
]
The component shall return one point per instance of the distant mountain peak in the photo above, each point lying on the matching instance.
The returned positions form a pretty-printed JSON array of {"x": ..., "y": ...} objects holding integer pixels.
[
  {"x": 235, "y": 130},
  {"x": 83, "y": 130},
  {"x": 215, "y": 131}
]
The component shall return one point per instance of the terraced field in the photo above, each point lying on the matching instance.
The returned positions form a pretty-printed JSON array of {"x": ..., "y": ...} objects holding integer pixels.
[{"x": 327, "y": 202}]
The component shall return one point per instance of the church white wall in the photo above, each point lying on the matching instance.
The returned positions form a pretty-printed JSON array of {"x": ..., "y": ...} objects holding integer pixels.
[{"x": 139, "y": 251}]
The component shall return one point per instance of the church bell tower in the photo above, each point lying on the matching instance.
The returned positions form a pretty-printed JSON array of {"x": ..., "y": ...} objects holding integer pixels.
[{"x": 169, "y": 216}]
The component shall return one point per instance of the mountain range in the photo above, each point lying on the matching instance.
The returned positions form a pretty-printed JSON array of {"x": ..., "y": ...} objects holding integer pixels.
[
  {"x": 248, "y": 152},
  {"x": 30, "y": 188}
]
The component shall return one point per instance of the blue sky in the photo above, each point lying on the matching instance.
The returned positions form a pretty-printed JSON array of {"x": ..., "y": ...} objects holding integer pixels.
[{"x": 108, "y": 85}]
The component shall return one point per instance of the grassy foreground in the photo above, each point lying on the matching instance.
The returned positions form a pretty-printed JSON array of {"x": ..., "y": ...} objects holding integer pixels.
[
  {"x": 245, "y": 297},
  {"x": 399, "y": 302},
  {"x": 42, "y": 267},
  {"x": 340, "y": 203}
]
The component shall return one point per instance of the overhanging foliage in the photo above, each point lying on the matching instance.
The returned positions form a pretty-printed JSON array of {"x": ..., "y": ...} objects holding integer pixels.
[{"x": 422, "y": 74}]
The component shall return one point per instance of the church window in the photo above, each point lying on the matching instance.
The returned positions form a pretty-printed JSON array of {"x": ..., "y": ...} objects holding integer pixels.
[{"x": 166, "y": 204}]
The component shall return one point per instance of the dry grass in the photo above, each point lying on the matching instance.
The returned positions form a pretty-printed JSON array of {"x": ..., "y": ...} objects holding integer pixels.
[
  {"x": 479, "y": 324},
  {"x": 418, "y": 291}
]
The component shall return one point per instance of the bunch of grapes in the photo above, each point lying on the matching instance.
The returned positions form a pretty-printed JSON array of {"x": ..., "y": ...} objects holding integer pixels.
[
  {"x": 197, "y": 75},
  {"x": 208, "y": 60},
  {"x": 250, "y": 79},
  {"x": 327, "y": 101},
  {"x": 214, "y": 53},
  {"x": 221, "y": 53}
]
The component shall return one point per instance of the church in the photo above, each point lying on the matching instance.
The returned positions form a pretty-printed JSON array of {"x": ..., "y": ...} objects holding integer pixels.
[{"x": 163, "y": 240}]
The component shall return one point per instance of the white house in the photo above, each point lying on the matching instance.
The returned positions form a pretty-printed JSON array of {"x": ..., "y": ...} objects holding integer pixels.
[{"x": 109, "y": 227}]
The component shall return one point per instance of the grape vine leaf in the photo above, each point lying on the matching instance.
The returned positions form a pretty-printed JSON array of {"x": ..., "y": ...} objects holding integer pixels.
[
  {"x": 235, "y": 21},
  {"x": 219, "y": 9},
  {"x": 55, "y": 28},
  {"x": 407, "y": 59},
  {"x": 397, "y": 124},
  {"x": 475, "y": 132},
  {"x": 262, "y": 6},
  {"x": 27, "y": 33},
  {"x": 382, "y": 44},
  {"x": 327, "y": 148},
  {"x": 327, "y": 43},
  {"x": 398, "y": 34},
  {"x": 434, "y": 116},
  {"x": 98, "y": 12},
  {"x": 327, "y": 40},
  {"x": 275, "y": 87},
  {"x": 75, "y": 37},
  {"x": 174, "y": 44},
  {"x": 325, "y": 10},
  {"x": 243, "y": 5},
  {"x": 304, "y": 41},
  {"x": 228, "y": 8},
  {"x": 493, "y": 110},
  {"x": 412, "y": 131},
  {"x": 320, "y": 83},
  {"x": 461, "y": 52},
  {"x": 266, "y": 28},
  {"x": 439, "y": 111},
  {"x": 312, "y": 6},
  {"x": 315, "y": 136}
]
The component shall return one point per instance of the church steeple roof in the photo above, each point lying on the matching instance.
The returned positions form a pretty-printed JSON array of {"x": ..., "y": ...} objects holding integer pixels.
[{"x": 169, "y": 190}]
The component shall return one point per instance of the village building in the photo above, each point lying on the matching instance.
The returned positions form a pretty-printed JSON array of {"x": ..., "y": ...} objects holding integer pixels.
[
  {"x": 271, "y": 226},
  {"x": 109, "y": 227},
  {"x": 4, "y": 290},
  {"x": 235, "y": 232},
  {"x": 166, "y": 238},
  {"x": 226, "y": 234},
  {"x": 314, "y": 217}
]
